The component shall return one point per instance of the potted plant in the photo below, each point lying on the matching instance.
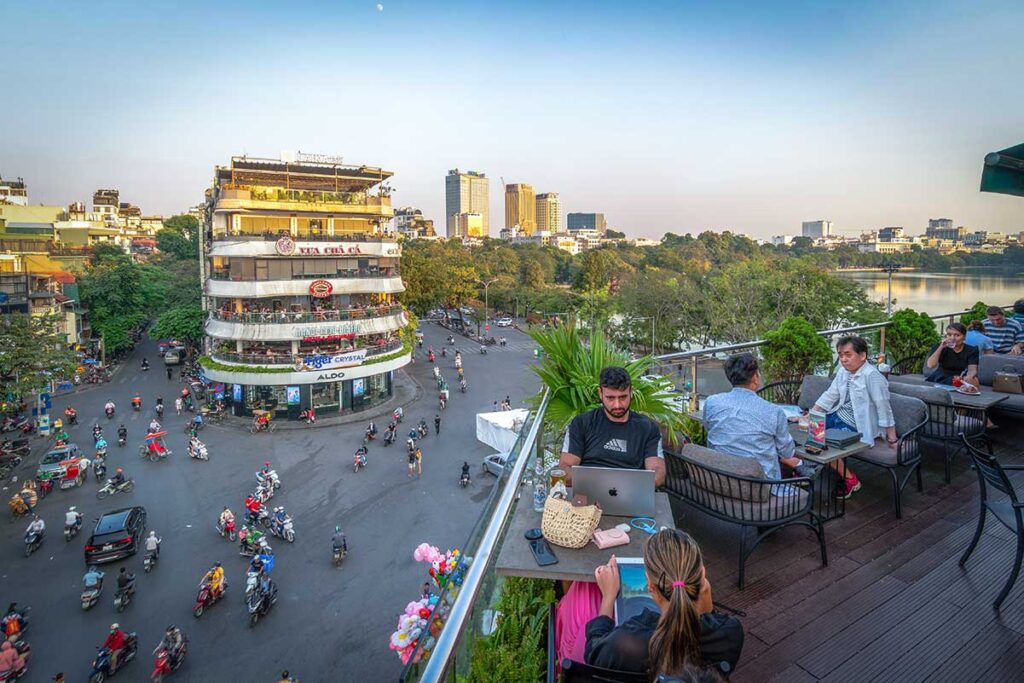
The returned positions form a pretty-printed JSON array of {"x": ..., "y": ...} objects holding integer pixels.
[{"x": 793, "y": 350}]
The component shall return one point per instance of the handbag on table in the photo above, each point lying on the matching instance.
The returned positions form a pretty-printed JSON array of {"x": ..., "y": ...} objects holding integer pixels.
[
  {"x": 567, "y": 525},
  {"x": 1008, "y": 381}
]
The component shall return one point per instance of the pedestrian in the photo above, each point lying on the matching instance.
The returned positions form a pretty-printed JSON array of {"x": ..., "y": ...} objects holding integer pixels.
[
  {"x": 177, "y": 405},
  {"x": 495, "y": 406},
  {"x": 412, "y": 461},
  {"x": 169, "y": 371},
  {"x": 419, "y": 461},
  {"x": 437, "y": 425},
  {"x": 425, "y": 591}
]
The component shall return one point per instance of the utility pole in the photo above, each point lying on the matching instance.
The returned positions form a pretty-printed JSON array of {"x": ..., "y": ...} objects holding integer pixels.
[
  {"x": 486, "y": 285},
  {"x": 890, "y": 268}
]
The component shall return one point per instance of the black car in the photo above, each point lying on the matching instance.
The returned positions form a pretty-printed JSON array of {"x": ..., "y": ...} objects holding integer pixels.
[{"x": 117, "y": 535}]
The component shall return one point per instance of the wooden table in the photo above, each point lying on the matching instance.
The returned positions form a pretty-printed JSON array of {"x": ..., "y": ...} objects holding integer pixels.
[{"x": 516, "y": 558}]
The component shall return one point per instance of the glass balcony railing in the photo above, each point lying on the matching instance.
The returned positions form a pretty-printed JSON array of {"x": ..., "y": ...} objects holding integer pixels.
[
  {"x": 289, "y": 317},
  {"x": 273, "y": 358}
]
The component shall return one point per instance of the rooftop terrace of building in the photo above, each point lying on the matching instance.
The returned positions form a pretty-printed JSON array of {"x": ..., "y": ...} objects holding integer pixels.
[{"x": 301, "y": 175}]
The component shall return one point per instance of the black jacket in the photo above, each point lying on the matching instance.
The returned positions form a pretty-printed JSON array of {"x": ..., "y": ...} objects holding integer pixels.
[{"x": 624, "y": 648}]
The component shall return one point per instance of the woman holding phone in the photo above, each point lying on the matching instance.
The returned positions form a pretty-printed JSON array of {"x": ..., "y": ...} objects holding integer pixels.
[{"x": 952, "y": 361}]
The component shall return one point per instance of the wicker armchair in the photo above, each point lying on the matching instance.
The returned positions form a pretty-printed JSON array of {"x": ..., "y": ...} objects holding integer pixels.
[{"x": 736, "y": 496}]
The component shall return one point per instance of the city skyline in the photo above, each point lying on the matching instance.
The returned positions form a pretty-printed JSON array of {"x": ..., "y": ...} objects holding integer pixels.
[{"x": 672, "y": 118}]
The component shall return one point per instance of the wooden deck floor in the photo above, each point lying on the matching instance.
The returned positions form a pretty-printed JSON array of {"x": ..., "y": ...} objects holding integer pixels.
[{"x": 892, "y": 604}]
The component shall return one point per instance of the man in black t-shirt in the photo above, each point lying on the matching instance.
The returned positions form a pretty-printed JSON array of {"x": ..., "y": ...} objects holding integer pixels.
[{"x": 613, "y": 435}]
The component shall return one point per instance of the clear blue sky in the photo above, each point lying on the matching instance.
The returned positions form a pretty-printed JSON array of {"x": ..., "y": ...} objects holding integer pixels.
[{"x": 677, "y": 116}]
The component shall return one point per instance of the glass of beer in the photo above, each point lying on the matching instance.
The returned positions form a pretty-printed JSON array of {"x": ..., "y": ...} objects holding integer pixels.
[{"x": 555, "y": 475}]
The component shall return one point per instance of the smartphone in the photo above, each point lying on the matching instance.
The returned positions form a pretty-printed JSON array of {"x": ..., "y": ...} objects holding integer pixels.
[{"x": 542, "y": 552}]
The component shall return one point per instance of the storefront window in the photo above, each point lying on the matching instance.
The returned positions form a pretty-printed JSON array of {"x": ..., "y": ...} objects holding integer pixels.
[{"x": 326, "y": 396}]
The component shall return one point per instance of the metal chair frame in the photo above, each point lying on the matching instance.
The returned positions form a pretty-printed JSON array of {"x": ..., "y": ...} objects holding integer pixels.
[{"x": 908, "y": 455}]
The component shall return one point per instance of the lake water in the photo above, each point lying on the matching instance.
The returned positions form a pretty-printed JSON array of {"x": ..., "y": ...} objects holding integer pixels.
[{"x": 937, "y": 293}]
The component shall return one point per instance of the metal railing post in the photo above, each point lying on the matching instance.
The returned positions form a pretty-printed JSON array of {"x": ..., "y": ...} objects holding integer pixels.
[
  {"x": 881, "y": 343},
  {"x": 693, "y": 384}
]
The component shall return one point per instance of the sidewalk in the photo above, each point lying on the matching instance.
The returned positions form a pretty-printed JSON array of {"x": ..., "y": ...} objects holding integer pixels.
[{"x": 406, "y": 391}]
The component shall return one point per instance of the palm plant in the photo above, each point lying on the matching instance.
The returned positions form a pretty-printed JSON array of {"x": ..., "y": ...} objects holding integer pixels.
[{"x": 571, "y": 371}]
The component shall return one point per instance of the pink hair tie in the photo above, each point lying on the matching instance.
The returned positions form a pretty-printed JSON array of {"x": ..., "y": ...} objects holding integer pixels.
[{"x": 679, "y": 583}]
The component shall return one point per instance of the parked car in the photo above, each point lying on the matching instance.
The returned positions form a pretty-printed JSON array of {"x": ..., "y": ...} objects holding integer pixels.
[
  {"x": 174, "y": 356},
  {"x": 504, "y": 322},
  {"x": 117, "y": 535},
  {"x": 495, "y": 463},
  {"x": 466, "y": 310},
  {"x": 56, "y": 462}
]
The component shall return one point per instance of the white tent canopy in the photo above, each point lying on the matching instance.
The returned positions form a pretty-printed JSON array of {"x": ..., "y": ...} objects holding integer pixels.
[{"x": 500, "y": 430}]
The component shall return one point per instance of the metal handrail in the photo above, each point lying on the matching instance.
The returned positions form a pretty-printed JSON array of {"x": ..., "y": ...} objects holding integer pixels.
[{"x": 441, "y": 658}]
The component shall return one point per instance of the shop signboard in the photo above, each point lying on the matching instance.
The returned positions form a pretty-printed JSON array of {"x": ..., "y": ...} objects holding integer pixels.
[
  {"x": 320, "y": 289},
  {"x": 326, "y": 330},
  {"x": 325, "y": 361}
]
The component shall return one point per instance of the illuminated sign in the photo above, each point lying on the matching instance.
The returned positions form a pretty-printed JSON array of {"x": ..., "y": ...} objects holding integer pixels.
[
  {"x": 320, "y": 289},
  {"x": 340, "y": 360},
  {"x": 327, "y": 330},
  {"x": 326, "y": 251}
]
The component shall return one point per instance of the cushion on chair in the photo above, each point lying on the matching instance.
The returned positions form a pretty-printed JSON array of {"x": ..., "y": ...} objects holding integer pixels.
[
  {"x": 811, "y": 390},
  {"x": 970, "y": 426},
  {"x": 880, "y": 454},
  {"x": 908, "y": 412},
  {"x": 939, "y": 401},
  {"x": 991, "y": 363},
  {"x": 733, "y": 464},
  {"x": 771, "y": 509},
  {"x": 917, "y": 380}
]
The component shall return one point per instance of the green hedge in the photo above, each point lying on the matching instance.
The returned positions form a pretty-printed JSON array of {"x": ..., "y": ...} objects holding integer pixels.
[{"x": 211, "y": 364}]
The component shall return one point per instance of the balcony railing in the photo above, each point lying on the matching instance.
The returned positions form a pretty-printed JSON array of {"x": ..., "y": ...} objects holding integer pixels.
[
  {"x": 289, "y": 359},
  {"x": 260, "y": 194},
  {"x": 271, "y": 236},
  {"x": 289, "y": 317},
  {"x": 393, "y": 271},
  {"x": 468, "y": 615}
]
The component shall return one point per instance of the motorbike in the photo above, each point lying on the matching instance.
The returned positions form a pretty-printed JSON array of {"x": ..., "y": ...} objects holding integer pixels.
[
  {"x": 159, "y": 410},
  {"x": 205, "y": 598},
  {"x": 101, "y": 665},
  {"x": 97, "y": 434},
  {"x": 462, "y": 386},
  {"x": 123, "y": 598},
  {"x": 101, "y": 450},
  {"x": 145, "y": 365},
  {"x": 109, "y": 412},
  {"x": 370, "y": 434},
  {"x": 72, "y": 418},
  {"x": 360, "y": 460},
  {"x": 149, "y": 561},
  {"x": 110, "y": 488},
  {"x": 339, "y": 555},
  {"x": 260, "y": 516},
  {"x": 99, "y": 469},
  {"x": 389, "y": 436},
  {"x": 261, "y": 547},
  {"x": 397, "y": 417},
  {"x": 283, "y": 530},
  {"x": 483, "y": 350},
  {"x": 122, "y": 439},
  {"x": 271, "y": 475},
  {"x": 33, "y": 539},
  {"x": 167, "y": 662},
  {"x": 23, "y": 649},
  {"x": 263, "y": 492},
  {"x": 20, "y": 448},
  {"x": 71, "y": 530},
  {"x": 464, "y": 480},
  {"x": 422, "y": 430},
  {"x": 227, "y": 530},
  {"x": 90, "y": 596},
  {"x": 261, "y": 597},
  {"x": 136, "y": 404},
  {"x": 451, "y": 340},
  {"x": 199, "y": 452}
]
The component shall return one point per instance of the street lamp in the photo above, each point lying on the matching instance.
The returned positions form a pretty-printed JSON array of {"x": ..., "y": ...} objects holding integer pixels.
[
  {"x": 889, "y": 268},
  {"x": 486, "y": 284}
]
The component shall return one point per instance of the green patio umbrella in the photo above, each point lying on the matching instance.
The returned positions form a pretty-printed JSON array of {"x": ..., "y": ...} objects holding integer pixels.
[{"x": 1004, "y": 171}]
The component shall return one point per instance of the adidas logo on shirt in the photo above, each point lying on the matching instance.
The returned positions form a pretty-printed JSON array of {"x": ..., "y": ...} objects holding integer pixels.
[{"x": 617, "y": 445}]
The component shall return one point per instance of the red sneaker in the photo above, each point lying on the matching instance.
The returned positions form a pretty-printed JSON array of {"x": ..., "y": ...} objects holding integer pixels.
[{"x": 849, "y": 486}]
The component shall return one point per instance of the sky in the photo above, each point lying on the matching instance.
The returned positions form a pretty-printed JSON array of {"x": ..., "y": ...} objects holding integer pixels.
[{"x": 665, "y": 116}]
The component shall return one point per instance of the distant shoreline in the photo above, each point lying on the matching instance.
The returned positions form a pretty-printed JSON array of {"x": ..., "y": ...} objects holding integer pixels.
[{"x": 869, "y": 270}]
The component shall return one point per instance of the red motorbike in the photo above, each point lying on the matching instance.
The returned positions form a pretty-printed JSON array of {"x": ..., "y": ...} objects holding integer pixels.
[
  {"x": 165, "y": 663},
  {"x": 205, "y": 598}
]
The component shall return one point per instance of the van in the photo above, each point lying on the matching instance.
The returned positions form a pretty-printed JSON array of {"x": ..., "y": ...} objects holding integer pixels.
[{"x": 174, "y": 356}]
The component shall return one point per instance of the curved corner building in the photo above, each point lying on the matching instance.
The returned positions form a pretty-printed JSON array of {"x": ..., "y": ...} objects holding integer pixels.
[{"x": 299, "y": 283}]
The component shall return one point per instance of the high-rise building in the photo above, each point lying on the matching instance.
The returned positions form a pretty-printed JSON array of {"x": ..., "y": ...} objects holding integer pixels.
[
  {"x": 942, "y": 229},
  {"x": 586, "y": 221},
  {"x": 299, "y": 286},
  {"x": 816, "y": 229},
  {"x": 469, "y": 225},
  {"x": 891, "y": 234},
  {"x": 468, "y": 192},
  {"x": 549, "y": 212},
  {"x": 521, "y": 207}
]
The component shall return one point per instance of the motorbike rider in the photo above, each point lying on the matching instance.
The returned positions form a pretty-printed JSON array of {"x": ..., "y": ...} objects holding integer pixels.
[
  {"x": 437, "y": 423},
  {"x": 462, "y": 384},
  {"x": 145, "y": 364},
  {"x": 399, "y": 414},
  {"x": 97, "y": 432},
  {"x": 118, "y": 477},
  {"x": 153, "y": 544},
  {"x": 114, "y": 644},
  {"x": 71, "y": 414},
  {"x": 159, "y": 407},
  {"x": 172, "y": 642},
  {"x": 154, "y": 426},
  {"x": 226, "y": 516},
  {"x": 126, "y": 581},
  {"x": 250, "y": 540},
  {"x": 371, "y": 429},
  {"x": 265, "y": 470},
  {"x": 101, "y": 447},
  {"x": 136, "y": 401},
  {"x": 215, "y": 578},
  {"x": 122, "y": 433},
  {"x": 444, "y": 352},
  {"x": 36, "y": 526},
  {"x": 194, "y": 444},
  {"x": 277, "y": 519},
  {"x": 13, "y": 623},
  {"x": 465, "y": 471},
  {"x": 73, "y": 518},
  {"x": 93, "y": 578},
  {"x": 109, "y": 407},
  {"x": 10, "y": 660},
  {"x": 338, "y": 541}
]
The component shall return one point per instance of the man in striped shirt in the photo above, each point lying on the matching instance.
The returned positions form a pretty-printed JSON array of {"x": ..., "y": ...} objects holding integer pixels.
[{"x": 1007, "y": 335}]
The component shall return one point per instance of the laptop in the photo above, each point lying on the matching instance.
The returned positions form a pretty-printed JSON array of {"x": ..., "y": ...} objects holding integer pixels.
[{"x": 619, "y": 492}]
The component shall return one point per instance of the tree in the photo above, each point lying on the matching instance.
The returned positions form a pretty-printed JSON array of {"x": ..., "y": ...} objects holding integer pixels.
[
  {"x": 183, "y": 322},
  {"x": 793, "y": 350},
  {"x": 32, "y": 352},
  {"x": 614, "y": 234},
  {"x": 117, "y": 297},
  {"x": 174, "y": 244},
  {"x": 910, "y": 334},
  {"x": 976, "y": 312}
]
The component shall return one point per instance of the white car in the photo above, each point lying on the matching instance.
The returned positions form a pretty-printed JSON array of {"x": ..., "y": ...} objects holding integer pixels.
[
  {"x": 503, "y": 322},
  {"x": 495, "y": 463}
]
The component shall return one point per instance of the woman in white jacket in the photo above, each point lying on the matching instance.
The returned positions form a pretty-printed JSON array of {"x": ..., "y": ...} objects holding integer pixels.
[{"x": 858, "y": 400}]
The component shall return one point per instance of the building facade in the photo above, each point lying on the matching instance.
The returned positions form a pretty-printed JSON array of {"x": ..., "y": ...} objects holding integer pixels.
[
  {"x": 13, "y": 192},
  {"x": 586, "y": 221},
  {"x": 816, "y": 229},
  {"x": 468, "y": 192},
  {"x": 299, "y": 287},
  {"x": 549, "y": 212},
  {"x": 410, "y": 223},
  {"x": 469, "y": 226},
  {"x": 521, "y": 207}
]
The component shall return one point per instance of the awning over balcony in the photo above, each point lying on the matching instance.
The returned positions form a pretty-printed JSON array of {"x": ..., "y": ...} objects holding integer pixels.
[{"x": 1004, "y": 171}]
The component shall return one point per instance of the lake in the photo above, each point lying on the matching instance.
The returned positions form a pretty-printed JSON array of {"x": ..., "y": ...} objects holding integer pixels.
[{"x": 937, "y": 293}]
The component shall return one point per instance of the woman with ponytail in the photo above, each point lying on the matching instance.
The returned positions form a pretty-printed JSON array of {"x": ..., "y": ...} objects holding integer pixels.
[{"x": 685, "y": 631}]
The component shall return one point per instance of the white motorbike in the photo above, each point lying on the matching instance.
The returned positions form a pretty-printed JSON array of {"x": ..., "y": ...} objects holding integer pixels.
[
  {"x": 283, "y": 529},
  {"x": 198, "y": 451},
  {"x": 271, "y": 475}
]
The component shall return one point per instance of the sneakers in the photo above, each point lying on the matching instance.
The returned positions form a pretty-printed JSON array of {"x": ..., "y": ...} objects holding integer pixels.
[{"x": 848, "y": 487}]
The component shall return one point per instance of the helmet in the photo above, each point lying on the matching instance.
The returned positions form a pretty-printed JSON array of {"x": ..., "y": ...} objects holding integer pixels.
[
  {"x": 337, "y": 529},
  {"x": 92, "y": 567},
  {"x": 216, "y": 564},
  {"x": 119, "y": 470},
  {"x": 71, "y": 509},
  {"x": 123, "y": 570},
  {"x": 171, "y": 627},
  {"x": 114, "y": 626},
  {"x": 152, "y": 534},
  {"x": 266, "y": 463},
  {"x": 225, "y": 508}
]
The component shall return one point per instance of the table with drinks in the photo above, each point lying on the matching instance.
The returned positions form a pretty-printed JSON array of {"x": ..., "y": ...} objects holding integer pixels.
[{"x": 574, "y": 564}]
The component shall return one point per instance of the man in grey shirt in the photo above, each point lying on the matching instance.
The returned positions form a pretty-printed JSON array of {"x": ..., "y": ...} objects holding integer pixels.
[{"x": 742, "y": 423}]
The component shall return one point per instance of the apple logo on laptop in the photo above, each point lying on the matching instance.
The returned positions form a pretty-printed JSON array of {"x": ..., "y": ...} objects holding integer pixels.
[{"x": 613, "y": 492}]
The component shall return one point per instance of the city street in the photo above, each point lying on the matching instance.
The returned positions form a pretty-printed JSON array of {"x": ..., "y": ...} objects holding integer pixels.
[{"x": 330, "y": 624}]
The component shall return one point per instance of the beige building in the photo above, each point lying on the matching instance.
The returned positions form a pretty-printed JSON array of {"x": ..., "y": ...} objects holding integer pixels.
[
  {"x": 521, "y": 207},
  {"x": 469, "y": 225},
  {"x": 468, "y": 192},
  {"x": 549, "y": 212}
]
